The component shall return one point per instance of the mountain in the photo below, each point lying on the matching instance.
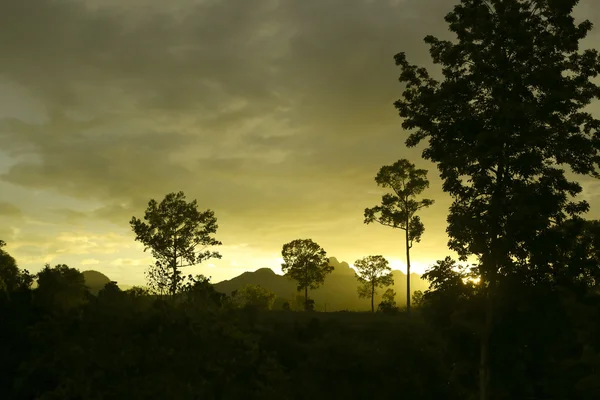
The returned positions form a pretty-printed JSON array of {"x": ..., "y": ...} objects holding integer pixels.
[
  {"x": 95, "y": 280},
  {"x": 339, "y": 292}
]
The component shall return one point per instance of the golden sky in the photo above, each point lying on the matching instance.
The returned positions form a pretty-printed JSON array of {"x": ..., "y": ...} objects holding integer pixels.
[{"x": 276, "y": 114}]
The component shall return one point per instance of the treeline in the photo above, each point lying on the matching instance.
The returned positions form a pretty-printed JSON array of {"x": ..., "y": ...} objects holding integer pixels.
[{"x": 60, "y": 341}]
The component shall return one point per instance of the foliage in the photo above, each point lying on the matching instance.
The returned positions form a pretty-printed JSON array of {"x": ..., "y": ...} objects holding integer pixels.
[
  {"x": 60, "y": 288},
  {"x": 199, "y": 291},
  {"x": 255, "y": 296},
  {"x": 373, "y": 272},
  {"x": 388, "y": 302},
  {"x": 503, "y": 124},
  {"x": 158, "y": 278},
  {"x": 417, "y": 298},
  {"x": 111, "y": 292},
  {"x": 305, "y": 262},
  {"x": 11, "y": 278},
  {"x": 398, "y": 209},
  {"x": 174, "y": 230}
]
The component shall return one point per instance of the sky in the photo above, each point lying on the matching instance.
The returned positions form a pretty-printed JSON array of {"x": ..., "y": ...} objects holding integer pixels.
[{"x": 275, "y": 114}]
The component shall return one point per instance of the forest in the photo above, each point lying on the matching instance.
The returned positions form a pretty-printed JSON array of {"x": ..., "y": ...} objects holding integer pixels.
[{"x": 506, "y": 122}]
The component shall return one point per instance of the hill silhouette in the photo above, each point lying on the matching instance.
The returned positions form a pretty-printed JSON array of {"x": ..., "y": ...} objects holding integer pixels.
[
  {"x": 95, "y": 280},
  {"x": 339, "y": 291}
]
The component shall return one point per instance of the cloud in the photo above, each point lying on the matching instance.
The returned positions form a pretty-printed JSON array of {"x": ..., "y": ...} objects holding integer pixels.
[
  {"x": 126, "y": 262},
  {"x": 276, "y": 114},
  {"x": 90, "y": 261},
  {"x": 8, "y": 210},
  {"x": 201, "y": 92}
]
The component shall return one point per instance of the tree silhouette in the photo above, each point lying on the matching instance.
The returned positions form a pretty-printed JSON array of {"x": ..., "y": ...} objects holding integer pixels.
[
  {"x": 255, "y": 296},
  {"x": 199, "y": 291},
  {"x": 12, "y": 279},
  {"x": 110, "y": 290},
  {"x": 373, "y": 272},
  {"x": 501, "y": 125},
  {"x": 305, "y": 262},
  {"x": 158, "y": 278},
  {"x": 60, "y": 288},
  {"x": 398, "y": 209},
  {"x": 388, "y": 302},
  {"x": 174, "y": 230}
]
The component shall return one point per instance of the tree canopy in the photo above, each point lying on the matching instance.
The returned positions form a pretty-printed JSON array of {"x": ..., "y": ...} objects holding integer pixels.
[
  {"x": 372, "y": 273},
  {"x": 178, "y": 234},
  {"x": 502, "y": 125},
  {"x": 305, "y": 262}
]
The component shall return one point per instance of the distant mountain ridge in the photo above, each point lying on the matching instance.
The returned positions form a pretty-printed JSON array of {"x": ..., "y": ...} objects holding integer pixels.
[
  {"x": 339, "y": 292},
  {"x": 95, "y": 280}
]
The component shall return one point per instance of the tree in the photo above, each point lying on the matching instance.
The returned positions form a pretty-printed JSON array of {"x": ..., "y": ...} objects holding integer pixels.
[
  {"x": 373, "y": 272},
  {"x": 158, "y": 278},
  {"x": 568, "y": 255},
  {"x": 255, "y": 296},
  {"x": 174, "y": 229},
  {"x": 388, "y": 302},
  {"x": 398, "y": 209},
  {"x": 305, "y": 262},
  {"x": 60, "y": 288},
  {"x": 417, "y": 298},
  {"x": 11, "y": 278},
  {"x": 502, "y": 125},
  {"x": 137, "y": 292},
  {"x": 110, "y": 291},
  {"x": 199, "y": 291},
  {"x": 446, "y": 275}
]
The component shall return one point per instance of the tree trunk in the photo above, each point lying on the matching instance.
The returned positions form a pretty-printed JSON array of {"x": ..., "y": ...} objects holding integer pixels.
[
  {"x": 305, "y": 287},
  {"x": 484, "y": 356},
  {"x": 407, "y": 269},
  {"x": 174, "y": 273},
  {"x": 373, "y": 297},
  {"x": 489, "y": 275},
  {"x": 306, "y": 298}
]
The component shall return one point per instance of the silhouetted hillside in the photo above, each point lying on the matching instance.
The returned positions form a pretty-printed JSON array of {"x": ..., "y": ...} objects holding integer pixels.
[
  {"x": 338, "y": 293},
  {"x": 95, "y": 280}
]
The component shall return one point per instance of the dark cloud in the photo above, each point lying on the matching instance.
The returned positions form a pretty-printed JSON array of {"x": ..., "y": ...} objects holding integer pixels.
[
  {"x": 9, "y": 210},
  {"x": 277, "y": 114},
  {"x": 264, "y": 96}
]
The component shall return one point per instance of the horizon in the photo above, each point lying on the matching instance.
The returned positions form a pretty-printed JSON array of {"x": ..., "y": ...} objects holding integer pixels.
[
  {"x": 280, "y": 273},
  {"x": 276, "y": 116}
]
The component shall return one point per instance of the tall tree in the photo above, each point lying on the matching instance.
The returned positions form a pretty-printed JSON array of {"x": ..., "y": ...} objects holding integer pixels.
[
  {"x": 373, "y": 272},
  {"x": 398, "y": 209},
  {"x": 502, "y": 125},
  {"x": 305, "y": 262},
  {"x": 178, "y": 234}
]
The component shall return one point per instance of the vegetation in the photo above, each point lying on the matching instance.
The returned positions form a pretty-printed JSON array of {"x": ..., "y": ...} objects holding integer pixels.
[
  {"x": 521, "y": 322},
  {"x": 398, "y": 209},
  {"x": 388, "y": 302},
  {"x": 372, "y": 272},
  {"x": 305, "y": 262},
  {"x": 174, "y": 230},
  {"x": 337, "y": 293},
  {"x": 502, "y": 126},
  {"x": 254, "y": 296}
]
